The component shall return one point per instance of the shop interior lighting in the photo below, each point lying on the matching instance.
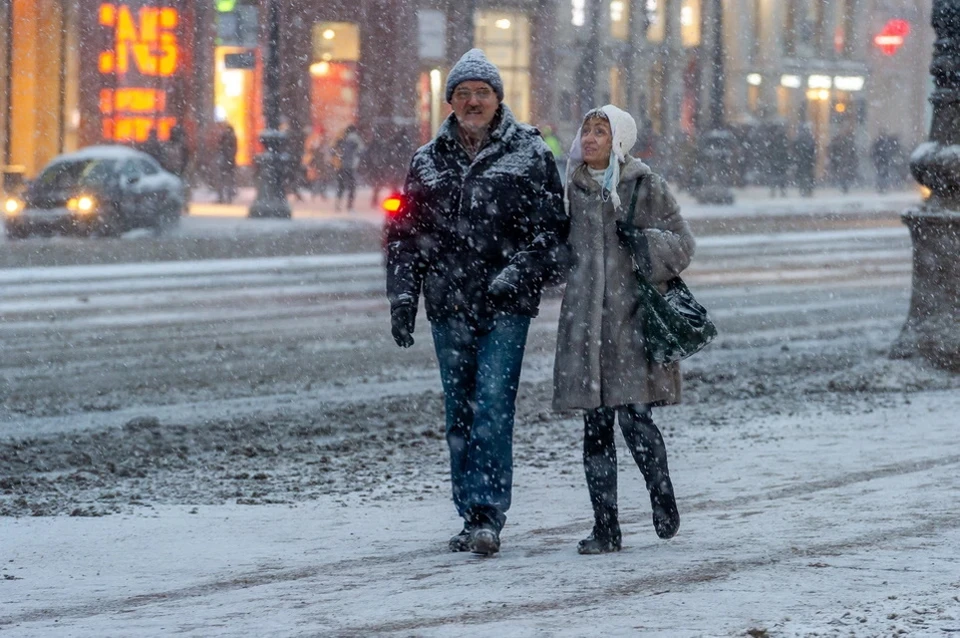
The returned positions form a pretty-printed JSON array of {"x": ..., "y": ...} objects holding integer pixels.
[
  {"x": 579, "y": 12},
  {"x": 502, "y": 23},
  {"x": 791, "y": 81},
  {"x": 320, "y": 68},
  {"x": 754, "y": 79},
  {"x": 617, "y": 9},
  {"x": 848, "y": 82},
  {"x": 819, "y": 82}
]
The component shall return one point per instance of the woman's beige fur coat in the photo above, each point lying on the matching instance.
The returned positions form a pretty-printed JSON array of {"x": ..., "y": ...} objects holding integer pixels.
[{"x": 600, "y": 357}]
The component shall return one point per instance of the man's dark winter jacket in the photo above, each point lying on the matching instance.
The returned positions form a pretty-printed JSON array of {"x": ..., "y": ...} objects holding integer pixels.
[{"x": 465, "y": 224}]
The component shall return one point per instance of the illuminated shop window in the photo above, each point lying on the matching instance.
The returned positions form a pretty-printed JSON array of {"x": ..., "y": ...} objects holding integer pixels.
[
  {"x": 690, "y": 11},
  {"x": 234, "y": 98},
  {"x": 690, "y": 23},
  {"x": 620, "y": 19},
  {"x": 334, "y": 79},
  {"x": 656, "y": 16},
  {"x": 336, "y": 42},
  {"x": 505, "y": 37},
  {"x": 578, "y": 12}
]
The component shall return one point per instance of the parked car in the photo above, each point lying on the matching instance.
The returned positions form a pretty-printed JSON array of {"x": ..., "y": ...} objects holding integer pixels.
[{"x": 101, "y": 191}]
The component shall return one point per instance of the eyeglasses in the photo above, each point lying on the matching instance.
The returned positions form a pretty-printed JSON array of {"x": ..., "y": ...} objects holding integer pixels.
[{"x": 463, "y": 95}]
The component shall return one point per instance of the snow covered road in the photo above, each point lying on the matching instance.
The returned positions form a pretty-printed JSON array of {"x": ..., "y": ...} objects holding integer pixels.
[{"x": 246, "y": 452}]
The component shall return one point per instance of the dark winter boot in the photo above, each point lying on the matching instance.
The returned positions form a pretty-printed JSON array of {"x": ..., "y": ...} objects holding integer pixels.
[
  {"x": 602, "y": 540},
  {"x": 600, "y": 467},
  {"x": 648, "y": 450},
  {"x": 461, "y": 542},
  {"x": 666, "y": 518},
  {"x": 483, "y": 526},
  {"x": 485, "y": 541}
]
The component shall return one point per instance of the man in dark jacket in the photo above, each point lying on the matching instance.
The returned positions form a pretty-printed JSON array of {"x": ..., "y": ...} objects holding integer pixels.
[{"x": 478, "y": 232}]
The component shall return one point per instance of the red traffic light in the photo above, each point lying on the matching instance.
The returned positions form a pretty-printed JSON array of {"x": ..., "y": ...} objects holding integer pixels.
[
  {"x": 891, "y": 37},
  {"x": 392, "y": 204}
]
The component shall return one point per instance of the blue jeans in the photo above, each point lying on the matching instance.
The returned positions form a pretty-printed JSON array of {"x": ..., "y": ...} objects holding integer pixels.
[{"x": 480, "y": 371}]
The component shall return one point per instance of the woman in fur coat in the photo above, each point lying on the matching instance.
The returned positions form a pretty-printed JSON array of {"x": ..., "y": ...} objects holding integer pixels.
[{"x": 601, "y": 364}]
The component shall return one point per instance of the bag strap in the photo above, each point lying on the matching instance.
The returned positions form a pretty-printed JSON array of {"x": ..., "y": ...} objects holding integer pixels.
[{"x": 633, "y": 201}]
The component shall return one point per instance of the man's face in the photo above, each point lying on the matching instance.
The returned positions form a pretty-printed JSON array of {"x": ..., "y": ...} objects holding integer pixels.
[{"x": 474, "y": 103}]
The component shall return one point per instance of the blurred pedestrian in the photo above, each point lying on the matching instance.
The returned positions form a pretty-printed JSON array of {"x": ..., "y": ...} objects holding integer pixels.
[
  {"x": 154, "y": 147},
  {"x": 226, "y": 164},
  {"x": 178, "y": 157},
  {"x": 348, "y": 152},
  {"x": 805, "y": 160},
  {"x": 553, "y": 143},
  {"x": 887, "y": 158},
  {"x": 477, "y": 232},
  {"x": 319, "y": 164},
  {"x": 778, "y": 158},
  {"x": 294, "y": 172},
  {"x": 842, "y": 153},
  {"x": 601, "y": 363},
  {"x": 385, "y": 164},
  {"x": 178, "y": 153}
]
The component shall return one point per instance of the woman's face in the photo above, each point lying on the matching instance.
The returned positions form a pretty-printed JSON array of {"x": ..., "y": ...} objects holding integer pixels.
[{"x": 596, "y": 141}]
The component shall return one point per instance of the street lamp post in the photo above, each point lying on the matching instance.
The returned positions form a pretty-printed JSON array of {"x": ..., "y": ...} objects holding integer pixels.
[
  {"x": 716, "y": 147},
  {"x": 271, "y": 201},
  {"x": 932, "y": 328}
]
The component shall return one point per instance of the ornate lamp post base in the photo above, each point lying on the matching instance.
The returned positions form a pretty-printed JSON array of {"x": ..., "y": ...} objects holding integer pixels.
[
  {"x": 271, "y": 200},
  {"x": 932, "y": 329}
]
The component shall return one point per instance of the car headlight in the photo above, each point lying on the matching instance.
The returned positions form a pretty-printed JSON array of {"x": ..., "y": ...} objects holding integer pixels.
[
  {"x": 83, "y": 204},
  {"x": 12, "y": 207}
]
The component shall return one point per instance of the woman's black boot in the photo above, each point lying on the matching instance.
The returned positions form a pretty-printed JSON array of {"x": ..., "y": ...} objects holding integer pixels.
[
  {"x": 602, "y": 540},
  {"x": 600, "y": 467},
  {"x": 646, "y": 444}
]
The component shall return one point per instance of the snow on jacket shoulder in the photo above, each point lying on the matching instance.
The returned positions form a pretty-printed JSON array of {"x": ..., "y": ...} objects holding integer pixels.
[{"x": 465, "y": 223}]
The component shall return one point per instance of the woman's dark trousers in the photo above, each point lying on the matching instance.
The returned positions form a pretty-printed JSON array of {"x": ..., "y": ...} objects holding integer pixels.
[{"x": 600, "y": 464}]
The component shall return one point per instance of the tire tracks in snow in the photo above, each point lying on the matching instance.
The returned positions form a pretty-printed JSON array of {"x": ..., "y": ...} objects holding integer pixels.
[
  {"x": 654, "y": 583},
  {"x": 714, "y": 570}
]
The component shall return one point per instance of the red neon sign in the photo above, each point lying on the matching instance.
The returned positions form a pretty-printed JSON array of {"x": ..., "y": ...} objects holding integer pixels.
[
  {"x": 142, "y": 52},
  {"x": 892, "y": 36}
]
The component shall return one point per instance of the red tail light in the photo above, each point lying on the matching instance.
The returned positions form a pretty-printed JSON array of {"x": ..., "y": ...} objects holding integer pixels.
[{"x": 392, "y": 204}]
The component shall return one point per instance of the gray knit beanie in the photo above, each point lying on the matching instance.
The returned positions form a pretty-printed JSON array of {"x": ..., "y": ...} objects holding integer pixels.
[{"x": 474, "y": 65}]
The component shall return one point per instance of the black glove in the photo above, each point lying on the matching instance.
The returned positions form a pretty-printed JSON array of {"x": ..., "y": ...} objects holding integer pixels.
[
  {"x": 402, "y": 321},
  {"x": 501, "y": 292},
  {"x": 635, "y": 241}
]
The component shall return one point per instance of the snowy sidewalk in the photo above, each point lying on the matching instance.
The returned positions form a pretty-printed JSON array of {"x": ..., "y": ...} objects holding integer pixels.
[
  {"x": 838, "y": 519},
  {"x": 751, "y": 202}
]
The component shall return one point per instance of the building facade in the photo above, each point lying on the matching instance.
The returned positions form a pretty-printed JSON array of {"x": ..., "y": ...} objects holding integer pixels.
[
  {"x": 78, "y": 72},
  {"x": 39, "y": 86}
]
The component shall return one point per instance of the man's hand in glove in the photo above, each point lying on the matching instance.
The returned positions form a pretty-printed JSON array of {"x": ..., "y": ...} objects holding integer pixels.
[
  {"x": 503, "y": 290},
  {"x": 402, "y": 321}
]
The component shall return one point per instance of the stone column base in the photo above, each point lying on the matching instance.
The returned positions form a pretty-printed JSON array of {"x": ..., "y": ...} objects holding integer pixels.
[{"x": 932, "y": 329}]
